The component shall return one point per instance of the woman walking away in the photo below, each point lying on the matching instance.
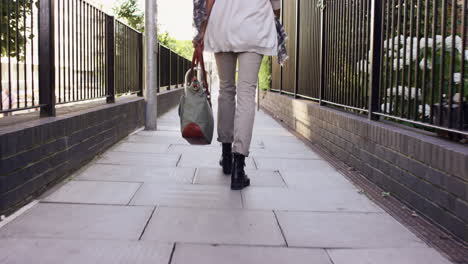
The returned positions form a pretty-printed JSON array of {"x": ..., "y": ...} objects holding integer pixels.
[{"x": 238, "y": 32}]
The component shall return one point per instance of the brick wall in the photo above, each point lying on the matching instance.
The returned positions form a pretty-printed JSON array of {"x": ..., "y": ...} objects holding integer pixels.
[
  {"x": 168, "y": 99},
  {"x": 37, "y": 154},
  {"x": 427, "y": 173}
]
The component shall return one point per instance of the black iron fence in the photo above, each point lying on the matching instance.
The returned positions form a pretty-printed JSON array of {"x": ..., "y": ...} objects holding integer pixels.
[
  {"x": 18, "y": 66},
  {"x": 403, "y": 60},
  {"x": 64, "y": 51},
  {"x": 172, "y": 68}
]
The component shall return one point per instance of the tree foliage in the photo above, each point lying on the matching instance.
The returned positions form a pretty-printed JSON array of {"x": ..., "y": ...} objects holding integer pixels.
[
  {"x": 15, "y": 27},
  {"x": 130, "y": 12},
  {"x": 134, "y": 17}
]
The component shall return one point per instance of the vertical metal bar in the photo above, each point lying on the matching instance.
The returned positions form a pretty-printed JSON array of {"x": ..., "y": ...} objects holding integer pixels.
[
  {"x": 392, "y": 57},
  {"x": 397, "y": 70},
  {"x": 9, "y": 53},
  {"x": 17, "y": 54},
  {"x": 339, "y": 70},
  {"x": 2, "y": 45},
  {"x": 403, "y": 76},
  {"x": 281, "y": 67},
  {"x": 353, "y": 43},
  {"x": 32, "y": 54},
  {"x": 462, "y": 68},
  {"x": 375, "y": 38},
  {"x": 102, "y": 53},
  {"x": 416, "y": 75},
  {"x": 159, "y": 66},
  {"x": 388, "y": 62},
  {"x": 73, "y": 50},
  {"x": 360, "y": 51},
  {"x": 410, "y": 73},
  {"x": 88, "y": 51},
  {"x": 433, "y": 62},
  {"x": 424, "y": 77},
  {"x": 25, "y": 55},
  {"x": 68, "y": 52},
  {"x": 381, "y": 68},
  {"x": 322, "y": 55},
  {"x": 94, "y": 50},
  {"x": 110, "y": 56},
  {"x": 452, "y": 63},
  {"x": 81, "y": 70},
  {"x": 46, "y": 57},
  {"x": 59, "y": 38},
  {"x": 442, "y": 62},
  {"x": 368, "y": 41},
  {"x": 296, "y": 52},
  {"x": 170, "y": 70},
  {"x": 140, "y": 63}
]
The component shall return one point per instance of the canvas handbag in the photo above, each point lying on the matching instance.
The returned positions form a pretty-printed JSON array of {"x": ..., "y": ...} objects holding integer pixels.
[{"x": 195, "y": 111}]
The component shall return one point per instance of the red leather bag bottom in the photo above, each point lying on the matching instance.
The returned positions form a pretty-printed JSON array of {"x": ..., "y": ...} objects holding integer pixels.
[{"x": 193, "y": 134}]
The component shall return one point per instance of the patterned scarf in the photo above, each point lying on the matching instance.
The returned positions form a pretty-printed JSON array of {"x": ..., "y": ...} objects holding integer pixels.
[
  {"x": 282, "y": 37},
  {"x": 199, "y": 16}
]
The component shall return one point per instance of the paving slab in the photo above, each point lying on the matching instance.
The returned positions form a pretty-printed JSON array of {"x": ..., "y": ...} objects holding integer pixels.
[
  {"x": 73, "y": 221},
  {"x": 302, "y": 165},
  {"x": 175, "y": 139},
  {"x": 333, "y": 200},
  {"x": 283, "y": 154},
  {"x": 207, "y": 160},
  {"x": 321, "y": 179},
  {"x": 59, "y": 251},
  {"x": 129, "y": 173},
  {"x": 195, "y": 225},
  {"x": 209, "y": 149},
  {"x": 204, "y": 196},
  {"x": 139, "y": 159},
  {"x": 345, "y": 230},
  {"x": 387, "y": 256},
  {"x": 206, "y": 254},
  {"x": 141, "y": 147},
  {"x": 94, "y": 192},
  {"x": 257, "y": 177}
]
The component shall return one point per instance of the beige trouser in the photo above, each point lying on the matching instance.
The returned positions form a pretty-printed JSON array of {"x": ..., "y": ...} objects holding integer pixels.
[{"x": 235, "y": 124}]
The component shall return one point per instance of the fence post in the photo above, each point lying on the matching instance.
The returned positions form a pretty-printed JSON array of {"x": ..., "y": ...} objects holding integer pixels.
[
  {"x": 140, "y": 64},
  {"x": 375, "y": 57},
  {"x": 110, "y": 59},
  {"x": 296, "y": 53},
  {"x": 46, "y": 57},
  {"x": 158, "y": 85},
  {"x": 177, "y": 75},
  {"x": 170, "y": 70},
  {"x": 281, "y": 66},
  {"x": 323, "y": 46}
]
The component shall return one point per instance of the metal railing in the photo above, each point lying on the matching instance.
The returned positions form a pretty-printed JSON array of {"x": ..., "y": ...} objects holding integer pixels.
[
  {"x": 18, "y": 66},
  {"x": 76, "y": 53},
  {"x": 403, "y": 60},
  {"x": 172, "y": 68}
]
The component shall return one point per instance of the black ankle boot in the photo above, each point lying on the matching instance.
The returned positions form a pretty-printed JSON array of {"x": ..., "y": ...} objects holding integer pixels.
[
  {"x": 226, "y": 158},
  {"x": 238, "y": 178}
]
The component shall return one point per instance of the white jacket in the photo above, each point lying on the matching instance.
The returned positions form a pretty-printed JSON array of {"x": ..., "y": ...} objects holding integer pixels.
[{"x": 243, "y": 26}]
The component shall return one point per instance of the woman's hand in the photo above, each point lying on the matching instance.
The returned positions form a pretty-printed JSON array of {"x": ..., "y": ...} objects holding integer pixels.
[{"x": 277, "y": 12}]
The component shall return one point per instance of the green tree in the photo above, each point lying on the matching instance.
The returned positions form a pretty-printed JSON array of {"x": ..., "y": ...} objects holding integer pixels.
[
  {"x": 167, "y": 40},
  {"x": 129, "y": 11},
  {"x": 15, "y": 31}
]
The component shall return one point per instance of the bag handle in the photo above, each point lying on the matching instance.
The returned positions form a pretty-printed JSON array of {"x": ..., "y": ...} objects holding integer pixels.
[{"x": 198, "y": 60}]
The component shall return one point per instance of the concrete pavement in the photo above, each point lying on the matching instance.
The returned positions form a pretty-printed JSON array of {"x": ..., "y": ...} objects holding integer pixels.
[{"x": 153, "y": 198}]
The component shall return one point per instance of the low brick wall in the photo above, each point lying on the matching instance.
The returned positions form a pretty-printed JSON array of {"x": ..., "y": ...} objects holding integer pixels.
[
  {"x": 427, "y": 173},
  {"x": 35, "y": 155},
  {"x": 168, "y": 99}
]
